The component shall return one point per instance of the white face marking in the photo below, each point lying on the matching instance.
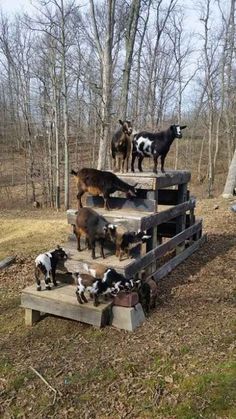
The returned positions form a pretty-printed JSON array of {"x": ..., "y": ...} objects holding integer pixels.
[
  {"x": 146, "y": 150},
  {"x": 178, "y": 130},
  {"x": 106, "y": 275}
]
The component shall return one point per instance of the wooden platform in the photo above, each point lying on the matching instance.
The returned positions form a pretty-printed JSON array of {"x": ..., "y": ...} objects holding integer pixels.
[
  {"x": 151, "y": 181},
  {"x": 76, "y": 260},
  {"x": 61, "y": 301}
]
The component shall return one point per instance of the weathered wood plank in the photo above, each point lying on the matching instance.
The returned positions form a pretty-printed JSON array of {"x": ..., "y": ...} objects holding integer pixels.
[
  {"x": 62, "y": 302},
  {"x": 165, "y": 196},
  {"x": 137, "y": 204},
  {"x": 175, "y": 261},
  {"x": 31, "y": 316},
  {"x": 156, "y": 181},
  {"x": 161, "y": 250},
  {"x": 166, "y": 215},
  {"x": 7, "y": 261}
]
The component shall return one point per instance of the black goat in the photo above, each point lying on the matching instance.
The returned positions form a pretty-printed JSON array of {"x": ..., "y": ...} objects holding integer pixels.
[
  {"x": 101, "y": 182},
  {"x": 148, "y": 144},
  {"x": 121, "y": 146},
  {"x": 46, "y": 263}
]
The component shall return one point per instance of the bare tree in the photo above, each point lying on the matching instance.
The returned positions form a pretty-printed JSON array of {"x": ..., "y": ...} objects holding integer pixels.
[{"x": 105, "y": 54}]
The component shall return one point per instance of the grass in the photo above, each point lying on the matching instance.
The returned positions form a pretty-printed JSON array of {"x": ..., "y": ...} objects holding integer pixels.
[
  {"x": 29, "y": 234},
  {"x": 178, "y": 365},
  {"x": 209, "y": 394}
]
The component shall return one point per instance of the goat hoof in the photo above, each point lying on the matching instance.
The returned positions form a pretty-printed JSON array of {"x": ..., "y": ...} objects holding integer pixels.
[
  {"x": 39, "y": 288},
  {"x": 55, "y": 284},
  {"x": 48, "y": 288}
]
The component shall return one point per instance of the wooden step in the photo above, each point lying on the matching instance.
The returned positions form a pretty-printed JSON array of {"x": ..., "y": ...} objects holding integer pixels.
[
  {"x": 61, "y": 301},
  {"x": 151, "y": 181}
]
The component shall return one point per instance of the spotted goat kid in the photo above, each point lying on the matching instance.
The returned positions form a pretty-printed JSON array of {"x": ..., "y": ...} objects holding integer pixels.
[{"x": 46, "y": 264}]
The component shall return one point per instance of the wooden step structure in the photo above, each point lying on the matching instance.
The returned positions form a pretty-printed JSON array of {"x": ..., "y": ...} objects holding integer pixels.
[
  {"x": 163, "y": 207},
  {"x": 61, "y": 301}
]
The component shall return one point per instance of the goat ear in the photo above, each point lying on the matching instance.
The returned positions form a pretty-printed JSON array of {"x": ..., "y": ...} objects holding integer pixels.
[
  {"x": 183, "y": 126},
  {"x": 121, "y": 122},
  {"x": 73, "y": 172}
]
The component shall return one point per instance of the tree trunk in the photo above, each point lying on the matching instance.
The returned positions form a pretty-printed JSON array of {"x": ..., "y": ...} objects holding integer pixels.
[
  {"x": 230, "y": 183},
  {"x": 129, "y": 46}
]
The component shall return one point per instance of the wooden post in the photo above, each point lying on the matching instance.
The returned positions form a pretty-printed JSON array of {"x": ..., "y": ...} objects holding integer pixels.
[
  {"x": 31, "y": 316},
  {"x": 181, "y": 220}
]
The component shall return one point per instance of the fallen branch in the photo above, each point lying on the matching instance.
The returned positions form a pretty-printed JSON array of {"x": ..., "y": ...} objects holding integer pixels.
[
  {"x": 47, "y": 383},
  {"x": 7, "y": 261}
]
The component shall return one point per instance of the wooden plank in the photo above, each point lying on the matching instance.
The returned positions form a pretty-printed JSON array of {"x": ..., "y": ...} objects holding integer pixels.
[
  {"x": 170, "y": 196},
  {"x": 122, "y": 203},
  {"x": 167, "y": 215},
  {"x": 175, "y": 261},
  {"x": 161, "y": 250},
  {"x": 152, "y": 181},
  {"x": 76, "y": 259},
  {"x": 61, "y": 301},
  {"x": 7, "y": 261},
  {"x": 31, "y": 316}
]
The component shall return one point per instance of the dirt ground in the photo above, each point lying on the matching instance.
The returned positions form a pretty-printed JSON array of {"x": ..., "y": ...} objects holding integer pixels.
[{"x": 179, "y": 364}]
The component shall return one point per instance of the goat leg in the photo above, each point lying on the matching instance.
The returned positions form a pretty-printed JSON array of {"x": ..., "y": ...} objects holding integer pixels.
[
  {"x": 79, "y": 196},
  {"x": 93, "y": 249},
  {"x": 96, "y": 301},
  {"x": 54, "y": 277},
  {"x": 36, "y": 274},
  {"x": 132, "y": 162},
  {"x": 106, "y": 197},
  {"x": 47, "y": 282},
  {"x": 102, "y": 249},
  {"x": 155, "y": 164},
  {"x": 79, "y": 299},
  {"x": 83, "y": 297},
  {"x": 162, "y": 163},
  {"x": 140, "y": 163},
  {"x": 78, "y": 243}
]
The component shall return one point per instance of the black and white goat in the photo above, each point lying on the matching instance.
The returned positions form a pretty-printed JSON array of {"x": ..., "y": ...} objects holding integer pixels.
[
  {"x": 148, "y": 144},
  {"x": 111, "y": 283},
  {"x": 46, "y": 264}
]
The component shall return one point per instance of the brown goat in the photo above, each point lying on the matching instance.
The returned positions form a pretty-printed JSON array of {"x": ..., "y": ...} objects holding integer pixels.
[
  {"x": 94, "y": 227},
  {"x": 101, "y": 182},
  {"x": 121, "y": 146}
]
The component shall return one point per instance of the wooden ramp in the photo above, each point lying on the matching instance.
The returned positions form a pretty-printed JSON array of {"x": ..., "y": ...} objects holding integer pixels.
[{"x": 61, "y": 301}]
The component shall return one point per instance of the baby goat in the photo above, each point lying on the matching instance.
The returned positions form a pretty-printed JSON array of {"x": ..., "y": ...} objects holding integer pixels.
[
  {"x": 121, "y": 146},
  {"x": 111, "y": 283},
  {"x": 46, "y": 263},
  {"x": 101, "y": 182},
  {"x": 126, "y": 240},
  {"x": 148, "y": 144}
]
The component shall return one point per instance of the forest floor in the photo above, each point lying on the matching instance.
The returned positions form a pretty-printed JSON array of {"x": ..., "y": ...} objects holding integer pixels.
[{"x": 181, "y": 363}]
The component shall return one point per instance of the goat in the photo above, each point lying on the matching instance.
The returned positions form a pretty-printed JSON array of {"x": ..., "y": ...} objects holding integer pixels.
[
  {"x": 126, "y": 240},
  {"x": 101, "y": 182},
  {"x": 94, "y": 227},
  {"x": 121, "y": 146},
  {"x": 111, "y": 283},
  {"x": 147, "y": 292},
  {"x": 46, "y": 263},
  {"x": 109, "y": 276},
  {"x": 148, "y": 144}
]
